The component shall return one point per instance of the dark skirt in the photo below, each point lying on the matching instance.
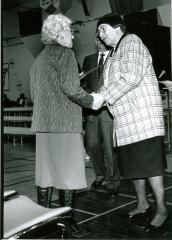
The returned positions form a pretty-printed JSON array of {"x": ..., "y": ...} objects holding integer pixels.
[{"x": 142, "y": 159}]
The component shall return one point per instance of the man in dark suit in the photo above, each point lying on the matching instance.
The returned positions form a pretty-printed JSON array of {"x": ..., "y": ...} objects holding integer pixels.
[{"x": 99, "y": 126}]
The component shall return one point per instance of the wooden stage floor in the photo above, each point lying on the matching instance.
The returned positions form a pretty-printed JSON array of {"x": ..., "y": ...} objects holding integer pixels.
[{"x": 104, "y": 216}]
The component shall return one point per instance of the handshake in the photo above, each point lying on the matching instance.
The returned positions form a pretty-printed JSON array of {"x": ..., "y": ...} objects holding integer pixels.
[{"x": 98, "y": 101}]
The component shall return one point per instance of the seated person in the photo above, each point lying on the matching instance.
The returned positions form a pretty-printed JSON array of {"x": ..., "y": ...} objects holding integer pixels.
[
  {"x": 7, "y": 102},
  {"x": 21, "y": 101}
]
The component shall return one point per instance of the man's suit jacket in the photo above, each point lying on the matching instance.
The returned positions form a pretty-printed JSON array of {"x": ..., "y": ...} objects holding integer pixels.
[{"x": 91, "y": 84}]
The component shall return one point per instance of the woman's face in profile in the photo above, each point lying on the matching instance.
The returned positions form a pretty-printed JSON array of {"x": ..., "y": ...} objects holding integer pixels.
[{"x": 66, "y": 37}]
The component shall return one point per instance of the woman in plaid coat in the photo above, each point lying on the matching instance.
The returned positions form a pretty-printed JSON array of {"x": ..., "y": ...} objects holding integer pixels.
[{"x": 131, "y": 92}]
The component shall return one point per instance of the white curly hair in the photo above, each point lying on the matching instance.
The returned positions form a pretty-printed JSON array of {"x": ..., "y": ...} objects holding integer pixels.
[{"x": 52, "y": 26}]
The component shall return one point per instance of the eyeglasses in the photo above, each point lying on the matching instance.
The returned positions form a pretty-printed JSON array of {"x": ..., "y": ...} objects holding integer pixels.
[{"x": 69, "y": 30}]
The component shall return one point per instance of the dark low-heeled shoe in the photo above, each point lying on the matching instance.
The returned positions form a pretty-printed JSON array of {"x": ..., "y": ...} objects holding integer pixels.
[
  {"x": 142, "y": 217},
  {"x": 153, "y": 229},
  {"x": 97, "y": 184}
]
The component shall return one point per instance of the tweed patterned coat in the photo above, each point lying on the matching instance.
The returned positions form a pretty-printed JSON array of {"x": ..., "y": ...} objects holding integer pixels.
[
  {"x": 132, "y": 93},
  {"x": 55, "y": 87}
]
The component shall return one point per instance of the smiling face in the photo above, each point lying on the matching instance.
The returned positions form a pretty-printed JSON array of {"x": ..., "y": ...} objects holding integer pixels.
[{"x": 110, "y": 35}]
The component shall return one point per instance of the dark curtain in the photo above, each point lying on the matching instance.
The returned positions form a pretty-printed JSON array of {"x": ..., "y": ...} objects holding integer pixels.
[{"x": 122, "y": 7}]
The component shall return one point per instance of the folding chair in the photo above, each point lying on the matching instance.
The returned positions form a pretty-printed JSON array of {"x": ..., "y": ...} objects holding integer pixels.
[{"x": 23, "y": 217}]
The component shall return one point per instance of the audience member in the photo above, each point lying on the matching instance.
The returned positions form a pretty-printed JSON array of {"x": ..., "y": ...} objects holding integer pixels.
[
  {"x": 21, "y": 101},
  {"x": 7, "y": 102}
]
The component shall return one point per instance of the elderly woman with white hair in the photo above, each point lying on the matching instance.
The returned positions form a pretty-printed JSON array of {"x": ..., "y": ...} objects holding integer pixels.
[{"x": 57, "y": 114}]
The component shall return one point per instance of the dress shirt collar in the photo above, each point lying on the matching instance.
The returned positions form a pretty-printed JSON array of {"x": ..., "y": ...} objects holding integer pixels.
[{"x": 105, "y": 55}]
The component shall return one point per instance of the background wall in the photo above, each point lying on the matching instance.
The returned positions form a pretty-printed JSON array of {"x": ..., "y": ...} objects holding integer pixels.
[
  {"x": 19, "y": 71},
  {"x": 84, "y": 43},
  {"x": 24, "y": 50},
  {"x": 14, "y": 48},
  {"x": 148, "y": 4}
]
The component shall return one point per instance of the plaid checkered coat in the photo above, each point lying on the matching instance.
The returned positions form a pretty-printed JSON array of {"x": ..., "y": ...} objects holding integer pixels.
[{"x": 132, "y": 93}]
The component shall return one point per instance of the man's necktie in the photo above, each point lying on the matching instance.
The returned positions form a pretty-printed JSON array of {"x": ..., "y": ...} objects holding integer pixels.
[{"x": 100, "y": 65}]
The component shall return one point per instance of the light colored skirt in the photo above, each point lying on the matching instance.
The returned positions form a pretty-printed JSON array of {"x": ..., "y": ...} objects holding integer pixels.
[{"x": 60, "y": 161}]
